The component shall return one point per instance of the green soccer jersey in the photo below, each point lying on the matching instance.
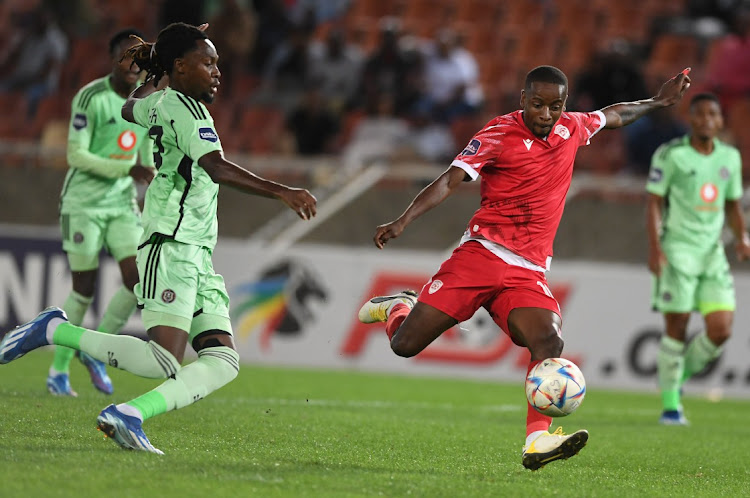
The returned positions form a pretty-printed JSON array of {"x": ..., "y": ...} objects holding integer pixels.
[
  {"x": 102, "y": 147},
  {"x": 181, "y": 201},
  {"x": 696, "y": 187}
]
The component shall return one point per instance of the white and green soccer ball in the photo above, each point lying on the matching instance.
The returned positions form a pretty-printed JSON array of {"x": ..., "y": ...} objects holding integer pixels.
[{"x": 555, "y": 387}]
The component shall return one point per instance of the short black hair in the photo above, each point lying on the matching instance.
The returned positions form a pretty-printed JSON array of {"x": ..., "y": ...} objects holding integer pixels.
[
  {"x": 121, "y": 35},
  {"x": 545, "y": 74},
  {"x": 703, "y": 96}
]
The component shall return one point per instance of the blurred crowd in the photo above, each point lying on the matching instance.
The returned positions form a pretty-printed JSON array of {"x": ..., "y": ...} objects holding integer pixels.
[{"x": 396, "y": 79}]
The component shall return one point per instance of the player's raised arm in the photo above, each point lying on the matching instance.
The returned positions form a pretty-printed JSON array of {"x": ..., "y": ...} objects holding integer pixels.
[
  {"x": 432, "y": 195},
  {"x": 671, "y": 92},
  {"x": 225, "y": 172}
]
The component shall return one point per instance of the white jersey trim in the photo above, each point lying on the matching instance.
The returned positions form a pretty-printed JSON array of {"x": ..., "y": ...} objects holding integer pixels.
[
  {"x": 466, "y": 167},
  {"x": 602, "y": 124},
  {"x": 506, "y": 254}
]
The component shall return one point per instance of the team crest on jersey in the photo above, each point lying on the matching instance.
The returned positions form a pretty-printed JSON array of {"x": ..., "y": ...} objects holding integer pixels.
[
  {"x": 655, "y": 175},
  {"x": 79, "y": 121},
  {"x": 168, "y": 296},
  {"x": 724, "y": 173},
  {"x": 208, "y": 134},
  {"x": 127, "y": 140},
  {"x": 562, "y": 131},
  {"x": 78, "y": 237},
  {"x": 666, "y": 297},
  {"x": 472, "y": 148},
  {"x": 435, "y": 286}
]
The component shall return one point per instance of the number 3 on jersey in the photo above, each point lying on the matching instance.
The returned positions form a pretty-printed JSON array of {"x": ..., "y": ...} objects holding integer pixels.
[{"x": 156, "y": 132}]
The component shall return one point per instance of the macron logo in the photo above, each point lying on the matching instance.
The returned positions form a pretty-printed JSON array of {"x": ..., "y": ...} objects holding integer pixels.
[
  {"x": 207, "y": 134},
  {"x": 527, "y": 142}
]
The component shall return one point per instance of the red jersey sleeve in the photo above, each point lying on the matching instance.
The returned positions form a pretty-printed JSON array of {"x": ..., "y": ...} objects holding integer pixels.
[
  {"x": 483, "y": 148},
  {"x": 589, "y": 124}
]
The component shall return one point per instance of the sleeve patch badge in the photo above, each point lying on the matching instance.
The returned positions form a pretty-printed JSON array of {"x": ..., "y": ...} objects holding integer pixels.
[
  {"x": 472, "y": 148},
  {"x": 79, "y": 121},
  {"x": 208, "y": 134},
  {"x": 655, "y": 175}
]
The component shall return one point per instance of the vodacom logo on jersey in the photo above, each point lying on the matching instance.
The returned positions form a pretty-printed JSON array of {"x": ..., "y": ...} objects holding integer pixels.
[
  {"x": 127, "y": 140},
  {"x": 709, "y": 192}
]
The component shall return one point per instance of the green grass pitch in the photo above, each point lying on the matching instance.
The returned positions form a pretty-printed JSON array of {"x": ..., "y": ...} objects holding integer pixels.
[{"x": 286, "y": 432}]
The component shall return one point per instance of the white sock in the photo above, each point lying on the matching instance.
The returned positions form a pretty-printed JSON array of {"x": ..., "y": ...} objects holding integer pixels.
[
  {"x": 51, "y": 326},
  {"x": 129, "y": 410}
]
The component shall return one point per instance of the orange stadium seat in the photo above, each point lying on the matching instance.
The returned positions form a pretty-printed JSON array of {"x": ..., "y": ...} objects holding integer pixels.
[{"x": 670, "y": 54}]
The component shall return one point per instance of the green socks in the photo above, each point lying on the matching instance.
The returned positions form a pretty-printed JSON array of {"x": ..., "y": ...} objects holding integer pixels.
[
  {"x": 75, "y": 307},
  {"x": 145, "y": 359},
  {"x": 671, "y": 363},
  {"x": 214, "y": 368},
  {"x": 118, "y": 311},
  {"x": 699, "y": 353}
]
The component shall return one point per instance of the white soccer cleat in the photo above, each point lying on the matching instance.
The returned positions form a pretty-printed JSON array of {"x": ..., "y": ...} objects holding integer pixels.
[
  {"x": 377, "y": 308},
  {"x": 550, "y": 447}
]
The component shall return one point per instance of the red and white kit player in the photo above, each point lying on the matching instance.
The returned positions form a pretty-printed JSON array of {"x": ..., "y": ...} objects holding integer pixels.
[{"x": 525, "y": 162}]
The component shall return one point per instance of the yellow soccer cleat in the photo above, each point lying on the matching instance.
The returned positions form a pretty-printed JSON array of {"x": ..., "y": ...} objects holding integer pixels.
[
  {"x": 550, "y": 447},
  {"x": 377, "y": 308}
]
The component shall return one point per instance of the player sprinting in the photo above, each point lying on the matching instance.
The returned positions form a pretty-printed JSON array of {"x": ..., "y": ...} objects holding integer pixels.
[
  {"x": 525, "y": 160},
  {"x": 699, "y": 178},
  {"x": 184, "y": 300},
  {"x": 98, "y": 205}
]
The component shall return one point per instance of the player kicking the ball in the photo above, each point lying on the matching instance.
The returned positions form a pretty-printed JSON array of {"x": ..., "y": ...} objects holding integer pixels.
[
  {"x": 525, "y": 160},
  {"x": 184, "y": 301}
]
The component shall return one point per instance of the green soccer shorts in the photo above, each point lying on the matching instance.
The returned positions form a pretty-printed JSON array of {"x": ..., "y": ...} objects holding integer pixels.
[
  {"x": 179, "y": 288},
  {"x": 84, "y": 233},
  {"x": 678, "y": 292}
]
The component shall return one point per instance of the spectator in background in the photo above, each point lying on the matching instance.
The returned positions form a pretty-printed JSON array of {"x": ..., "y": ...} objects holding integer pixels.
[
  {"x": 473, "y": 94},
  {"x": 378, "y": 135},
  {"x": 273, "y": 29},
  {"x": 386, "y": 71},
  {"x": 729, "y": 71},
  {"x": 287, "y": 70},
  {"x": 312, "y": 125},
  {"x": 644, "y": 136},
  {"x": 445, "y": 79},
  {"x": 233, "y": 31},
  {"x": 429, "y": 140},
  {"x": 337, "y": 66},
  {"x": 613, "y": 75},
  {"x": 34, "y": 56}
]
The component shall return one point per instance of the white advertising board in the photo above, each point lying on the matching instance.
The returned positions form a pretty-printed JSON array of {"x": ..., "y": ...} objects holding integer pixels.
[{"x": 300, "y": 309}]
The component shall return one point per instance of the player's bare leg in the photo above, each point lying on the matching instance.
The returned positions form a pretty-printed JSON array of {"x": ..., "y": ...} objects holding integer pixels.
[{"x": 539, "y": 330}]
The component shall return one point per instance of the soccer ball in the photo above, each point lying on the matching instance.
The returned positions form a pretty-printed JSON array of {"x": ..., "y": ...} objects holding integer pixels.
[{"x": 555, "y": 387}]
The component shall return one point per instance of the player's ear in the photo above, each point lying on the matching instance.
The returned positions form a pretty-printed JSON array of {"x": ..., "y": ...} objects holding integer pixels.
[{"x": 523, "y": 99}]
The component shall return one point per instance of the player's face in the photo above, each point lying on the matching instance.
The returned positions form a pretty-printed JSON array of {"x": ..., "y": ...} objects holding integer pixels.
[
  {"x": 706, "y": 120},
  {"x": 202, "y": 71},
  {"x": 125, "y": 71},
  {"x": 542, "y": 106}
]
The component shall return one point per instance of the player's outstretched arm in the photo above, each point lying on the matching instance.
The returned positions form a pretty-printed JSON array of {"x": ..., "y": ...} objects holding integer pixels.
[
  {"x": 228, "y": 173},
  {"x": 432, "y": 195},
  {"x": 656, "y": 258},
  {"x": 671, "y": 92}
]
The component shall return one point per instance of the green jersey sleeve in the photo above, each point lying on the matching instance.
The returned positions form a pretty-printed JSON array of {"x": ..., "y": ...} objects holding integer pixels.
[
  {"x": 734, "y": 188},
  {"x": 194, "y": 128},
  {"x": 661, "y": 171}
]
